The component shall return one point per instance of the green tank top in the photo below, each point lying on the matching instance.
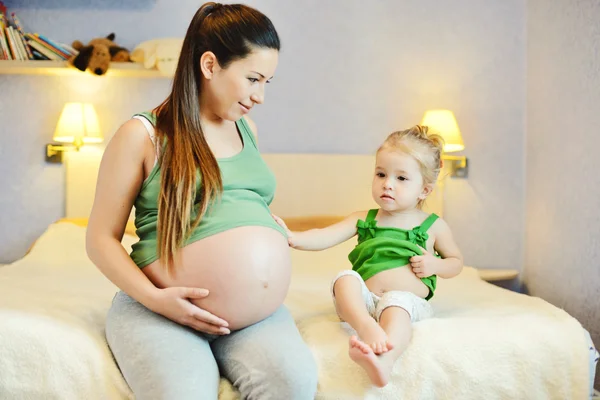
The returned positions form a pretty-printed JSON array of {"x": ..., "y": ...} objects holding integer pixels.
[
  {"x": 248, "y": 189},
  {"x": 383, "y": 248}
]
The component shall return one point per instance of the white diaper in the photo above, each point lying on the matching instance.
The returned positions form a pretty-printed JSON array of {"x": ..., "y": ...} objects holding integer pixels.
[{"x": 416, "y": 307}]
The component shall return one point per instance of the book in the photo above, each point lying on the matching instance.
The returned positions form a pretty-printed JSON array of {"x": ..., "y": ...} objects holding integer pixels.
[
  {"x": 64, "y": 52},
  {"x": 6, "y": 54},
  {"x": 31, "y": 38},
  {"x": 4, "y": 51},
  {"x": 19, "y": 27},
  {"x": 18, "y": 44},
  {"x": 38, "y": 56},
  {"x": 11, "y": 43},
  {"x": 45, "y": 51}
]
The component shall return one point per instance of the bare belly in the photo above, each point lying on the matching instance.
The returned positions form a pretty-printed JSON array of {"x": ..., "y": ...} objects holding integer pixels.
[
  {"x": 403, "y": 279},
  {"x": 247, "y": 271}
]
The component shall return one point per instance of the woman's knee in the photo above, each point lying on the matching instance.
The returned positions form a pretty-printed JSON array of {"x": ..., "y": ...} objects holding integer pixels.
[
  {"x": 287, "y": 377},
  {"x": 158, "y": 358},
  {"x": 269, "y": 360},
  {"x": 299, "y": 377}
]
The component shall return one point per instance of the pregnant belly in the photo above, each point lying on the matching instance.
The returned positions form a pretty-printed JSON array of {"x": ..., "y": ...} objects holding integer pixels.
[{"x": 247, "y": 271}]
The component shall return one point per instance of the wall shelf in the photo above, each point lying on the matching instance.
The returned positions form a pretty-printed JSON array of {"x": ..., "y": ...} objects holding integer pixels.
[{"x": 62, "y": 68}]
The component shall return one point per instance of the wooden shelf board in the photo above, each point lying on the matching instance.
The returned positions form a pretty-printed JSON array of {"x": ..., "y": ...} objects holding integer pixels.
[{"x": 62, "y": 68}]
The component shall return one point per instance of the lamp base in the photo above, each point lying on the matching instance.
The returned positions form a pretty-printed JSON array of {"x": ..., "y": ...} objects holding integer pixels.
[
  {"x": 54, "y": 152},
  {"x": 458, "y": 165},
  {"x": 462, "y": 171},
  {"x": 56, "y": 158}
]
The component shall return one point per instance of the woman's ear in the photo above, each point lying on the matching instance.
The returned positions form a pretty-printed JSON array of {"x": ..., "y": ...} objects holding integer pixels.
[{"x": 209, "y": 64}]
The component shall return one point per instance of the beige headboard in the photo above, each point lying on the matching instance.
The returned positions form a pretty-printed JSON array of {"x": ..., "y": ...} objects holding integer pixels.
[{"x": 307, "y": 184}]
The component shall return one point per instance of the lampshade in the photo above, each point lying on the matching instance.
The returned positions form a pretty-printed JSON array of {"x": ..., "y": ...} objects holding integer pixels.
[
  {"x": 443, "y": 123},
  {"x": 78, "y": 123}
]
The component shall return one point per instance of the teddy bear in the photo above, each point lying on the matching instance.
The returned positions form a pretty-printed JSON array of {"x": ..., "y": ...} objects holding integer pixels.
[{"x": 97, "y": 54}]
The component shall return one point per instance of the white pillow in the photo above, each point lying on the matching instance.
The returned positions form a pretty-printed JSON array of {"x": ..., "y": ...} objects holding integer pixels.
[{"x": 63, "y": 244}]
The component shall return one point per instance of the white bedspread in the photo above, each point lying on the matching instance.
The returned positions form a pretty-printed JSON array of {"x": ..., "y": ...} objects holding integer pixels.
[{"x": 484, "y": 342}]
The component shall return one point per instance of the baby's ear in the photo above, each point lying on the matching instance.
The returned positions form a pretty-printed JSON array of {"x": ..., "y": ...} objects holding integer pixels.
[
  {"x": 427, "y": 189},
  {"x": 82, "y": 60}
]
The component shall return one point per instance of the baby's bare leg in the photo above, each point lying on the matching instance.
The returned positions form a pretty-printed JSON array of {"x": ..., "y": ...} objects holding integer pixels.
[
  {"x": 398, "y": 326},
  {"x": 350, "y": 305},
  {"x": 396, "y": 323}
]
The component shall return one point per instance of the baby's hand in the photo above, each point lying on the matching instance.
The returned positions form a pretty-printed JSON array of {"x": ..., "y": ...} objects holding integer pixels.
[
  {"x": 289, "y": 233},
  {"x": 425, "y": 265}
]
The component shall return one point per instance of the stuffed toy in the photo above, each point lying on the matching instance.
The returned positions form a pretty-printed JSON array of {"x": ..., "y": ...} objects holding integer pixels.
[
  {"x": 97, "y": 54},
  {"x": 161, "y": 54}
]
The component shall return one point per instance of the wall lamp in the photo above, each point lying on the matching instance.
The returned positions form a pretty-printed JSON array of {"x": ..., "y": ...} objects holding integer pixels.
[
  {"x": 78, "y": 125},
  {"x": 444, "y": 123}
]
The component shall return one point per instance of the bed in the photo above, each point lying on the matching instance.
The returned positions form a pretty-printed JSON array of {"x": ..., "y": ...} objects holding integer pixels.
[{"x": 484, "y": 341}]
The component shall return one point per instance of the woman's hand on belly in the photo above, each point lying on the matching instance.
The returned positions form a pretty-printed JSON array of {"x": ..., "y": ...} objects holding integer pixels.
[{"x": 176, "y": 304}]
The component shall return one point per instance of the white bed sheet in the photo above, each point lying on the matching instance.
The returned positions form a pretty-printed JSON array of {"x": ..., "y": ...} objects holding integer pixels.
[{"x": 485, "y": 342}]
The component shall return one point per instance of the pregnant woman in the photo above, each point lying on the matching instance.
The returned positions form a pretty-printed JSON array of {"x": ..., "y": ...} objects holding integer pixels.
[{"x": 202, "y": 291}]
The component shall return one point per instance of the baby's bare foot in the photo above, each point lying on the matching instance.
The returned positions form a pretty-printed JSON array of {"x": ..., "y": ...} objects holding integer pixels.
[
  {"x": 362, "y": 354},
  {"x": 373, "y": 335}
]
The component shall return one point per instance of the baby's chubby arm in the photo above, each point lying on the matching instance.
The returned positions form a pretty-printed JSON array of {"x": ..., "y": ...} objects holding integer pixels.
[
  {"x": 451, "y": 262},
  {"x": 323, "y": 238}
]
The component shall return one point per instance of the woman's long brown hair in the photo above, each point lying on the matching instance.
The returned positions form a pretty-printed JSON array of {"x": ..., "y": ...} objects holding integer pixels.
[{"x": 190, "y": 175}]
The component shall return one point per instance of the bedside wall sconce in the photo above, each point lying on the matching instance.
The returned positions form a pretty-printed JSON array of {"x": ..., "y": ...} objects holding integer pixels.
[
  {"x": 444, "y": 123},
  {"x": 77, "y": 125}
]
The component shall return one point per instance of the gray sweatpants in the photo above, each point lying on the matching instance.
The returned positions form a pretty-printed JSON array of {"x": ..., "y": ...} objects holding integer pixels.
[{"x": 161, "y": 359}]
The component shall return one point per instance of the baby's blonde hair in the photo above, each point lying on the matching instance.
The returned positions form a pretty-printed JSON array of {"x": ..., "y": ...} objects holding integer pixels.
[{"x": 426, "y": 148}]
